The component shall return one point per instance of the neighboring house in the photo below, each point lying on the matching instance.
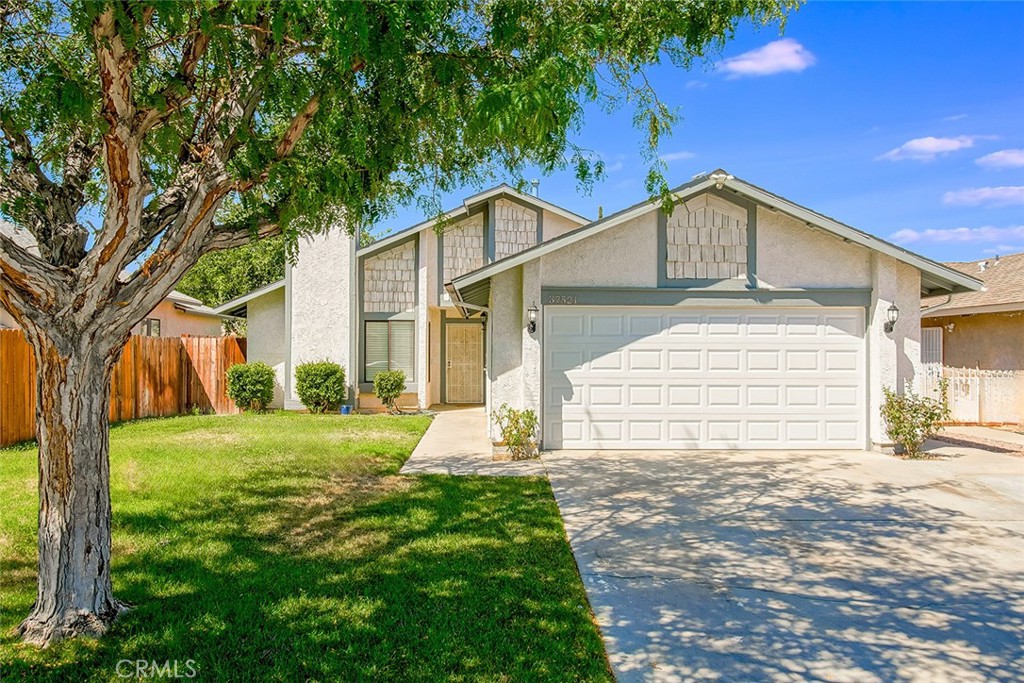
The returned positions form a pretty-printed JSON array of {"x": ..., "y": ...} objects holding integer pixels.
[
  {"x": 982, "y": 329},
  {"x": 740, "y": 321},
  {"x": 176, "y": 315},
  {"x": 180, "y": 314}
]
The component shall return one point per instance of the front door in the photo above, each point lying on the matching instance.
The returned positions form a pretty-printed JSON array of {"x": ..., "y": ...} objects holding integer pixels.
[{"x": 464, "y": 363}]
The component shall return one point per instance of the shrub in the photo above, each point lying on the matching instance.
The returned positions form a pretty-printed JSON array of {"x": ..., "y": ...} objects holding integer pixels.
[
  {"x": 320, "y": 385},
  {"x": 518, "y": 431},
  {"x": 388, "y": 385},
  {"x": 251, "y": 385},
  {"x": 910, "y": 419}
]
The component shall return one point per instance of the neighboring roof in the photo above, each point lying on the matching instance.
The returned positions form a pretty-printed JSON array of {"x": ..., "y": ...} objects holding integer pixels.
[
  {"x": 1004, "y": 288},
  {"x": 934, "y": 276},
  {"x": 237, "y": 306},
  {"x": 468, "y": 204},
  {"x": 188, "y": 304}
]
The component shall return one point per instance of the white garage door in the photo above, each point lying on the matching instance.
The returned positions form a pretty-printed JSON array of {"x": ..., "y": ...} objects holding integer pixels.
[{"x": 702, "y": 378}]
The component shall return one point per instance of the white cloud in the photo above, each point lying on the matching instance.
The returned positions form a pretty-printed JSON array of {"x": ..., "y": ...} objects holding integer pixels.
[
  {"x": 1004, "y": 158},
  {"x": 1004, "y": 249},
  {"x": 690, "y": 85},
  {"x": 990, "y": 196},
  {"x": 614, "y": 166},
  {"x": 955, "y": 117},
  {"x": 927, "y": 149},
  {"x": 774, "y": 58},
  {"x": 677, "y": 156},
  {"x": 987, "y": 235}
]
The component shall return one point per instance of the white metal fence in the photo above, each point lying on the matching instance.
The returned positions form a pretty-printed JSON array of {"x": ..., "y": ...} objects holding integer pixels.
[{"x": 977, "y": 396}]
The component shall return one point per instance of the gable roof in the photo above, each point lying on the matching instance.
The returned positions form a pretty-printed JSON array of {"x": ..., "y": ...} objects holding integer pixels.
[
  {"x": 934, "y": 275},
  {"x": 468, "y": 204},
  {"x": 237, "y": 306},
  {"x": 1003, "y": 277}
]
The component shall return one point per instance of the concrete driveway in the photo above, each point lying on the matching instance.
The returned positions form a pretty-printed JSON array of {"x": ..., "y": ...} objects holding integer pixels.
[{"x": 800, "y": 566}]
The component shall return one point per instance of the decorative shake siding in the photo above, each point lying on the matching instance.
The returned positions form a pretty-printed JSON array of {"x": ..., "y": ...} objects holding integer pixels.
[
  {"x": 706, "y": 240},
  {"x": 389, "y": 280},
  {"x": 515, "y": 228},
  {"x": 463, "y": 247}
]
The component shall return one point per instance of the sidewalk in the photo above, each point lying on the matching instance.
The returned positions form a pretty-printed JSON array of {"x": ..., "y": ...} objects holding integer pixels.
[
  {"x": 983, "y": 437},
  {"x": 457, "y": 443}
]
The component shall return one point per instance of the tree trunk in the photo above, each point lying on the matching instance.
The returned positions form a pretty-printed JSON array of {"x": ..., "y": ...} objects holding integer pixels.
[{"x": 74, "y": 591}]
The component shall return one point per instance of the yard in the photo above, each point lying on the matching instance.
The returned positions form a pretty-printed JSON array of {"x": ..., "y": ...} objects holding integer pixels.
[{"x": 286, "y": 547}]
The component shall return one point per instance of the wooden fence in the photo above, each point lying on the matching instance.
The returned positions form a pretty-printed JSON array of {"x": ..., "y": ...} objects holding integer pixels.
[
  {"x": 154, "y": 377},
  {"x": 977, "y": 396}
]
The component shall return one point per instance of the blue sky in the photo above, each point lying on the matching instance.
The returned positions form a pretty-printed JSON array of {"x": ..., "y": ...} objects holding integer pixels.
[{"x": 905, "y": 120}]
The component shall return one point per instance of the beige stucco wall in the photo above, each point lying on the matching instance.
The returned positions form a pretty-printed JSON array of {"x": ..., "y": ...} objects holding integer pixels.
[
  {"x": 174, "y": 323},
  {"x": 894, "y": 359},
  {"x": 267, "y": 340},
  {"x": 790, "y": 254},
  {"x": 555, "y": 225},
  {"x": 990, "y": 341},
  {"x": 623, "y": 256},
  {"x": 320, "y": 306},
  {"x": 6, "y": 321},
  {"x": 433, "y": 352},
  {"x": 506, "y": 328}
]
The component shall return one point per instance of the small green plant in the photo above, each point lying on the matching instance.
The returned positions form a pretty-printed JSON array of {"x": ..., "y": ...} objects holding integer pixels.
[
  {"x": 388, "y": 385},
  {"x": 518, "y": 431},
  {"x": 910, "y": 418},
  {"x": 251, "y": 385},
  {"x": 320, "y": 385}
]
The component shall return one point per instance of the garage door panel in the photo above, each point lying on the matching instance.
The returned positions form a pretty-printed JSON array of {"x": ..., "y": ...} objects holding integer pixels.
[{"x": 661, "y": 378}]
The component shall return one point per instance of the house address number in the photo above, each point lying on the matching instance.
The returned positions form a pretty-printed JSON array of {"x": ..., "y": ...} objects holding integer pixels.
[{"x": 561, "y": 299}]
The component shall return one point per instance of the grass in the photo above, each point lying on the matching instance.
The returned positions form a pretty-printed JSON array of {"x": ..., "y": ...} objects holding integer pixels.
[{"x": 286, "y": 547}]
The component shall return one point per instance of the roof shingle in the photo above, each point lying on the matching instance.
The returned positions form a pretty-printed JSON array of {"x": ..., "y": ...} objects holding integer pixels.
[{"x": 1003, "y": 277}]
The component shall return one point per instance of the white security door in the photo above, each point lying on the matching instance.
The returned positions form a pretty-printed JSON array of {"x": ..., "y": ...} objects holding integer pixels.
[
  {"x": 704, "y": 378},
  {"x": 464, "y": 365}
]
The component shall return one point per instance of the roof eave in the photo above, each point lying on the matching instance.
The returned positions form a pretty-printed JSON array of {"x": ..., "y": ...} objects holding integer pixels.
[
  {"x": 240, "y": 301},
  {"x": 468, "y": 204}
]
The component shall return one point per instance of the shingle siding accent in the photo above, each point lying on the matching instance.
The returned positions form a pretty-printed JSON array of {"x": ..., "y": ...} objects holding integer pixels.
[
  {"x": 389, "y": 280},
  {"x": 706, "y": 238},
  {"x": 515, "y": 228},
  {"x": 463, "y": 247}
]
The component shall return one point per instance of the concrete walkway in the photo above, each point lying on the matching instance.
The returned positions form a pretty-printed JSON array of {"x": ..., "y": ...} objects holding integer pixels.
[
  {"x": 842, "y": 566},
  {"x": 457, "y": 443},
  {"x": 985, "y": 435}
]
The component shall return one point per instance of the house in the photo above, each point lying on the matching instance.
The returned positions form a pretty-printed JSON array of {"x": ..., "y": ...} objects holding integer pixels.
[
  {"x": 741, "y": 320},
  {"x": 180, "y": 314},
  {"x": 176, "y": 315},
  {"x": 978, "y": 329}
]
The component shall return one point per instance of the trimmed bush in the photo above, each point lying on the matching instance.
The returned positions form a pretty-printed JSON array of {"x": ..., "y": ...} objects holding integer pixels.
[
  {"x": 388, "y": 385},
  {"x": 910, "y": 419},
  {"x": 518, "y": 431},
  {"x": 320, "y": 385},
  {"x": 251, "y": 385}
]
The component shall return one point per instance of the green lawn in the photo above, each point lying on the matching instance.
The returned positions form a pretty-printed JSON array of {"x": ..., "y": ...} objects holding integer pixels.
[{"x": 286, "y": 547}]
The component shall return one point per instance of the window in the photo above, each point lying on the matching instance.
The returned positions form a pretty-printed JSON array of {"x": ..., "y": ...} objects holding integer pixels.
[
  {"x": 931, "y": 345},
  {"x": 151, "y": 327},
  {"x": 389, "y": 346}
]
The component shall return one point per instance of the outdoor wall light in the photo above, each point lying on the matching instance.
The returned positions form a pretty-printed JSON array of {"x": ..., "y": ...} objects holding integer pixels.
[
  {"x": 891, "y": 316},
  {"x": 531, "y": 316}
]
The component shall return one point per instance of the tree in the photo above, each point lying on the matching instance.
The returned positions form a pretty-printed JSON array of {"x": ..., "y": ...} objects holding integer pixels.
[
  {"x": 220, "y": 276},
  {"x": 201, "y": 125}
]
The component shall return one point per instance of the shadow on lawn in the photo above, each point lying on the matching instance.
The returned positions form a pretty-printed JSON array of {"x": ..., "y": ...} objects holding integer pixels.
[
  {"x": 356, "y": 578},
  {"x": 722, "y": 567}
]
